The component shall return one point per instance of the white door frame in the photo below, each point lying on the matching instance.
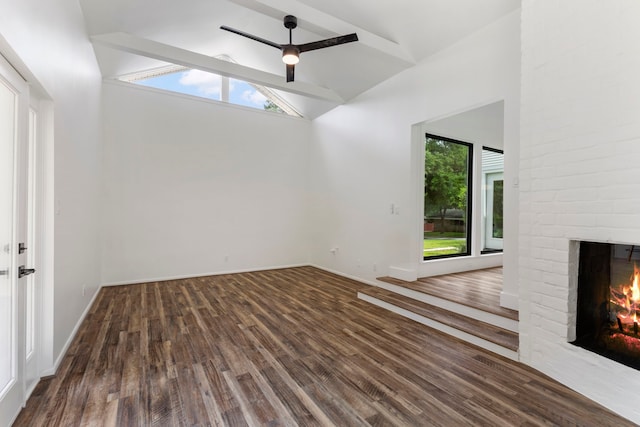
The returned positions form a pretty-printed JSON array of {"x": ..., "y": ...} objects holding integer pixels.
[
  {"x": 43, "y": 251},
  {"x": 33, "y": 284},
  {"x": 12, "y": 392}
]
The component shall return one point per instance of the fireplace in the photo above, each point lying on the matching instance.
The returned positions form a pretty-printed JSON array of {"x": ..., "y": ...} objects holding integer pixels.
[{"x": 608, "y": 311}]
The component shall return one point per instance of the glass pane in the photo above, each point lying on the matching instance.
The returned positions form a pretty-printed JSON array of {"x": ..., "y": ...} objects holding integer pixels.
[
  {"x": 190, "y": 82},
  {"x": 213, "y": 86},
  {"x": 497, "y": 209},
  {"x": 7, "y": 138},
  {"x": 492, "y": 199},
  {"x": 446, "y": 198}
]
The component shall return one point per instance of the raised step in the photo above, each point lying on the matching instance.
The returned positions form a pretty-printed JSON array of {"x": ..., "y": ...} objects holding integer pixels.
[
  {"x": 461, "y": 288},
  {"x": 485, "y": 335},
  {"x": 491, "y": 313}
]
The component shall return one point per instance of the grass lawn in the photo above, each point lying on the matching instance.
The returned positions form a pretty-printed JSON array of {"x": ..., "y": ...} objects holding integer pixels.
[
  {"x": 438, "y": 235},
  {"x": 444, "y": 246}
]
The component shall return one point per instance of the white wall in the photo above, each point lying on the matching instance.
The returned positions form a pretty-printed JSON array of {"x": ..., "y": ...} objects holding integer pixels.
[
  {"x": 364, "y": 158},
  {"x": 580, "y": 149},
  {"x": 483, "y": 126},
  {"x": 50, "y": 42},
  {"x": 194, "y": 187}
]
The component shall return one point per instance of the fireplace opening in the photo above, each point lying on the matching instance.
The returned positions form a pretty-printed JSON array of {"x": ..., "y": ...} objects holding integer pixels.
[{"x": 608, "y": 311}]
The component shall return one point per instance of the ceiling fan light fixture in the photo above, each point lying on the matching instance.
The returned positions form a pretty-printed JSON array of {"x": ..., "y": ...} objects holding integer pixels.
[
  {"x": 290, "y": 55},
  {"x": 291, "y": 52}
]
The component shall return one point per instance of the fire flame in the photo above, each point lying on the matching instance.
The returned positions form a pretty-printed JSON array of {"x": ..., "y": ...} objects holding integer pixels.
[
  {"x": 627, "y": 298},
  {"x": 635, "y": 291}
]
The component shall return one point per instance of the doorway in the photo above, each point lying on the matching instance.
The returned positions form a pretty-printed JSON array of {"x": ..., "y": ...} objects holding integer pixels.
[{"x": 19, "y": 288}]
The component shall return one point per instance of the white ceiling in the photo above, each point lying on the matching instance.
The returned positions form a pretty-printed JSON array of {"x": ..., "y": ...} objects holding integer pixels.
[{"x": 394, "y": 35}]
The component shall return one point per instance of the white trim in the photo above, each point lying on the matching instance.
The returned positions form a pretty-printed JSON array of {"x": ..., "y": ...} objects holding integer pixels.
[
  {"x": 459, "y": 264},
  {"x": 122, "y": 83},
  {"x": 151, "y": 49},
  {"x": 403, "y": 273},
  {"x": 72, "y": 336},
  {"x": 27, "y": 392},
  {"x": 474, "y": 313},
  {"x": 191, "y": 276},
  {"x": 477, "y": 260},
  {"x": 472, "y": 339},
  {"x": 224, "y": 95},
  {"x": 465, "y": 310},
  {"x": 46, "y": 234},
  {"x": 347, "y": 276},
  {"x": 509, "y": 300}
]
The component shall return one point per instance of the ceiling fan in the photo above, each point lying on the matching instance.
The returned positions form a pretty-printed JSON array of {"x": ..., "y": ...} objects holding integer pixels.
[{"x": 291, "y": 52}]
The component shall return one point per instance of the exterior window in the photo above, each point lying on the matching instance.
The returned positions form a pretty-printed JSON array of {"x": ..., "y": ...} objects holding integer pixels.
[
  {"x": 492, "y": 199},
  {"x": 202, "y": 84},
  {"x": 447, "y": 197}
]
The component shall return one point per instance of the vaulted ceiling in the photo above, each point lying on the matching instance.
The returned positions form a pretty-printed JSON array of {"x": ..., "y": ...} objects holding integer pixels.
[{"x": 131, "y": 36}]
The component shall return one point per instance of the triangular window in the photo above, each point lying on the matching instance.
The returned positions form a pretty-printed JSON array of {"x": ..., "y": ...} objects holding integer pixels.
[{"x": 203, "y": 84}]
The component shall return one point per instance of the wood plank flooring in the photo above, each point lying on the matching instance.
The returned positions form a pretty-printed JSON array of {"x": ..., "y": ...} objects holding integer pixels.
[
  {"x": 486, "y": 331},
  {"x": 285, "y": 347},
  {"x": 478, "y": 289}
]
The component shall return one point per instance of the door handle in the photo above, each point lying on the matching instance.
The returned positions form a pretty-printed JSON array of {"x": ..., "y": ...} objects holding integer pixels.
[{"x": 25, "y": 271}]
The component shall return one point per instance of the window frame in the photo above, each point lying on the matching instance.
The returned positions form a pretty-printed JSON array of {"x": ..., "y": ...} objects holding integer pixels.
[
  {"x": 139, "y": 76},
  {"x": 470, "y": 195},
  {"x": 486, "y": 251}
]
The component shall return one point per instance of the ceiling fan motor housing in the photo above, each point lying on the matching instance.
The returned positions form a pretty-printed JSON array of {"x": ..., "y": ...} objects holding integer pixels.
[{"x": 290, "y": 22}]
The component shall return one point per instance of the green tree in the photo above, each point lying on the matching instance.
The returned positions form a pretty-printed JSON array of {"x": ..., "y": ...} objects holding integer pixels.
[
  {"x": 498, "y": 205},
  {"x": 445, "y": 177},
  {"x": 269, "y": 105}
]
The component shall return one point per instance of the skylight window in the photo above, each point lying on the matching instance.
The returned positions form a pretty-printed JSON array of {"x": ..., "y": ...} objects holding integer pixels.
[{"x": 207, "y": 85}]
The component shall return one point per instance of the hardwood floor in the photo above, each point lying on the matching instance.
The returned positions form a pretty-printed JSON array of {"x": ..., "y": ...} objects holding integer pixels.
[
  {"x": 284, "y": 347},
  {"x": 477, "y": 289},
  {"x": 483, "y": 330}
]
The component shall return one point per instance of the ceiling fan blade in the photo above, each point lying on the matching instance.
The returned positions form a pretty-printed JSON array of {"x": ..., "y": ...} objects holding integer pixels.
[
  {"x": 251, "y": 36},
  {"x": 290, "y": 72},
  {"x": 321, "y": 44}
]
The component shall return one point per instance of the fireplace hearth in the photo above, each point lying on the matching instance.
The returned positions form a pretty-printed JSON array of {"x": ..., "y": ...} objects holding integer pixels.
[{"x": 608, "y": 310}]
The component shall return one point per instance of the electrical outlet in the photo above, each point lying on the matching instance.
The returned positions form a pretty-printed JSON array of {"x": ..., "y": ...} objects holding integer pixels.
[
  {"x": 226, "y": 258},
  {"x": 84, "y": 290}
]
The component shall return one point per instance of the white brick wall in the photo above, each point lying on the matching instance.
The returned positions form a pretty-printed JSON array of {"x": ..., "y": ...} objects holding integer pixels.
[{"x": 579, "y": 178}]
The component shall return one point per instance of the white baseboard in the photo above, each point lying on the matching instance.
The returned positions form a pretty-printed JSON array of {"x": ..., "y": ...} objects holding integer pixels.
[
  {"x": 508, "y": 300},
  {"x": 65, "y": 348},
  {"x": 403, "y": 273},
  {"x": 347, "y": 276},
  {"x": 191, "y": 276}
]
